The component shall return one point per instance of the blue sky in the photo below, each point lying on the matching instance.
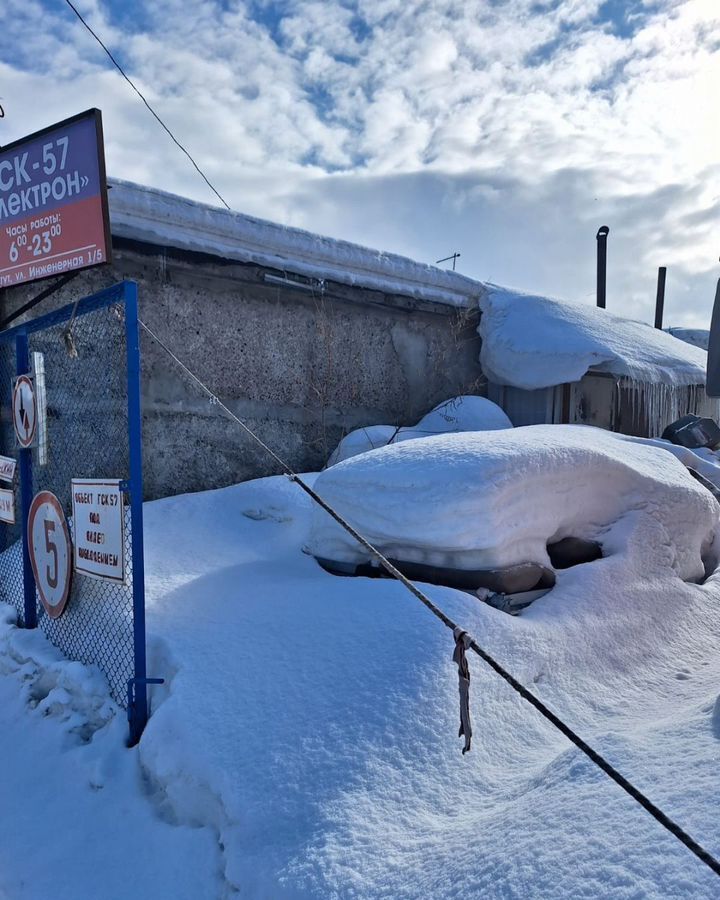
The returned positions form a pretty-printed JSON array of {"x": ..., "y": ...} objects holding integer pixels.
[{"x": 508, "y": 130}]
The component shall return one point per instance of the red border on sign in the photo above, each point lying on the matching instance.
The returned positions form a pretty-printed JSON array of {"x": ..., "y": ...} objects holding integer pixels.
[
  {"x": 25, "y": 445},
  {"x": 47, "y": 497}
]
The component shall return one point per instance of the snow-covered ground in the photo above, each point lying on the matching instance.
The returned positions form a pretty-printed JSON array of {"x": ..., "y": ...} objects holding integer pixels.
[
  {"x": 79, "y": 819},
  {"x": 305, "y": 742}
]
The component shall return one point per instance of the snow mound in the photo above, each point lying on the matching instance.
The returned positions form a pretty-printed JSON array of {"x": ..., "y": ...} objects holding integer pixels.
[
  {"x": 465, "y": 413},
  {"x": 75, "y": 694},
  {"x": 698, "y": 337},
  {"x": 362, "y": 440},
  {"x": 485, "y": 499},
  {"x": 703, "y": 460},
  {"x": 534, "y": 342}
]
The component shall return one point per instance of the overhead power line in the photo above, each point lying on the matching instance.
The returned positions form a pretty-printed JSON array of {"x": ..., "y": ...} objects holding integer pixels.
[
  {"x": 157, "y": 117},
  {"x": 675, "y": 830}
]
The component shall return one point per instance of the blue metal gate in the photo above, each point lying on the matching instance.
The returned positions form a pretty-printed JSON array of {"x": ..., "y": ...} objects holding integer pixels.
[{"x": 85, "y": 359}]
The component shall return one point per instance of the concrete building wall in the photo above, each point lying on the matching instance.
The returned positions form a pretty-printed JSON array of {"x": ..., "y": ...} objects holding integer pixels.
[{"x": 301, "y": 367}]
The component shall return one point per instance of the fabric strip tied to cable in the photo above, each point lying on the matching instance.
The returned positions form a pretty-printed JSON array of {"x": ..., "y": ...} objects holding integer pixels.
[{"x": 462, "y": 642}]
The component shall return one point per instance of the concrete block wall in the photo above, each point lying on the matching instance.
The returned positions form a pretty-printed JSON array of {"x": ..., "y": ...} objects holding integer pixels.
[{"x": 301, "y": 367}]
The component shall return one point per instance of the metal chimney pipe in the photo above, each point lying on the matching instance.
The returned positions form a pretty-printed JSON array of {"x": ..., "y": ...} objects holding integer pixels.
[
  {"x": 660, "y": 296},
  {"x": 601, "y": 238}
]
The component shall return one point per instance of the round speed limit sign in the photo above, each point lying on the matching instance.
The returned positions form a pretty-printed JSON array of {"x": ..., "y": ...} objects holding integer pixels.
[{"x": 50, "y": 552}]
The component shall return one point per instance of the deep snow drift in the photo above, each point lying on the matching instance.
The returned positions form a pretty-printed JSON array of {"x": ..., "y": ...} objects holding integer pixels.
[
  {"x": 79, "y": 820},
  {"x": 305, "y": 744},
  {"x": 319, "y": 735},
  {"x": 534, "y": 342},
  {"x": 466, "y": 413},
  {"x": 698, "y": 337},
  {"x": 496, "y": 498}
]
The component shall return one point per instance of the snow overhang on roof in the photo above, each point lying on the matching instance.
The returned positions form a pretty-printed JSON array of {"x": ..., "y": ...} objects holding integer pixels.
[
  {"x": 156, "y": 217},
  {"x": 536, "y": 342}
]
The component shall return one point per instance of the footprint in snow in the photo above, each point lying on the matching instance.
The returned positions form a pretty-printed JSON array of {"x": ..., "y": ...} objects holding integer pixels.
[{"x": 271, "y": 513}]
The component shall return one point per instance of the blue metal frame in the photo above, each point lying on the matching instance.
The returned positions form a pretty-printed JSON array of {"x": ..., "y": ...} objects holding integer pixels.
[
  {"x": 138, "y": 709},
  {"x": 126, "y": 292},
  {"x": 115, "y": 294},
  {"x": 26, "y": 483}
]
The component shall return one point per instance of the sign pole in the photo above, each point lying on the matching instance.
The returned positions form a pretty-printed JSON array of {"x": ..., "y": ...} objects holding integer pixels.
[{"x": 26, "y": 496}]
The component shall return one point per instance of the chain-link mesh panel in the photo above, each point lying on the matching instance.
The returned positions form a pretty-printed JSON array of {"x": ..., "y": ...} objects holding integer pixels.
[
  {"x": 11, "y": 558},
  {"x": 85, "y": 375}
]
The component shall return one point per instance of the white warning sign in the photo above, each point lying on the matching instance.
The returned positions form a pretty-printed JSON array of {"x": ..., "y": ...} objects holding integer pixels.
[
  {"x": 7, "y": 506},
  {"x": 99, "y": 549},
  {"x": 7, "y": 468}
]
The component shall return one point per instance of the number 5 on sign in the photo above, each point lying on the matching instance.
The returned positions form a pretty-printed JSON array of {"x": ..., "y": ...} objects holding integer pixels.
[{"x": 50, "y": 552}]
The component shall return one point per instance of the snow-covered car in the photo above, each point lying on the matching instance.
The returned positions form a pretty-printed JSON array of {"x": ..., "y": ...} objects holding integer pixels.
[{"x": 490, "y": 509}]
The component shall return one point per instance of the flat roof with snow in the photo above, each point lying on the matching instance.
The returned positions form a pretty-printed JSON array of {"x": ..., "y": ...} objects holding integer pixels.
[
  {"x": 156, "y": 217},
  {"x": 528, "y": 341}
]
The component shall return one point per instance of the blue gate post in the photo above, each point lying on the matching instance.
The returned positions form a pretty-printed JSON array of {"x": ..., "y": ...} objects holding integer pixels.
[
  {"x": 26, "y": 487},
  {"x": 137, "y": 689}
]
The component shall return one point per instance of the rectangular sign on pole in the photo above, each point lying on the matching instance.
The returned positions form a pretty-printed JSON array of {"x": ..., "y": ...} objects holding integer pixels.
[
  {"x": 53, "y": 201},
  {"x": 7, "y": 506},
  {"x": 99, "y": 547},
  {"x": 7, "y": 468}
]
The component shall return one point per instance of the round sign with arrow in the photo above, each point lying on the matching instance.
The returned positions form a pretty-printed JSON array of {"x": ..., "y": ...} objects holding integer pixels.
[{"x": 24, "y": 407}]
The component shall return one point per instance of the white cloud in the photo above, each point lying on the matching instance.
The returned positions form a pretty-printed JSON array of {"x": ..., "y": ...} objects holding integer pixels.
[{"x": 506, "y": 130}]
